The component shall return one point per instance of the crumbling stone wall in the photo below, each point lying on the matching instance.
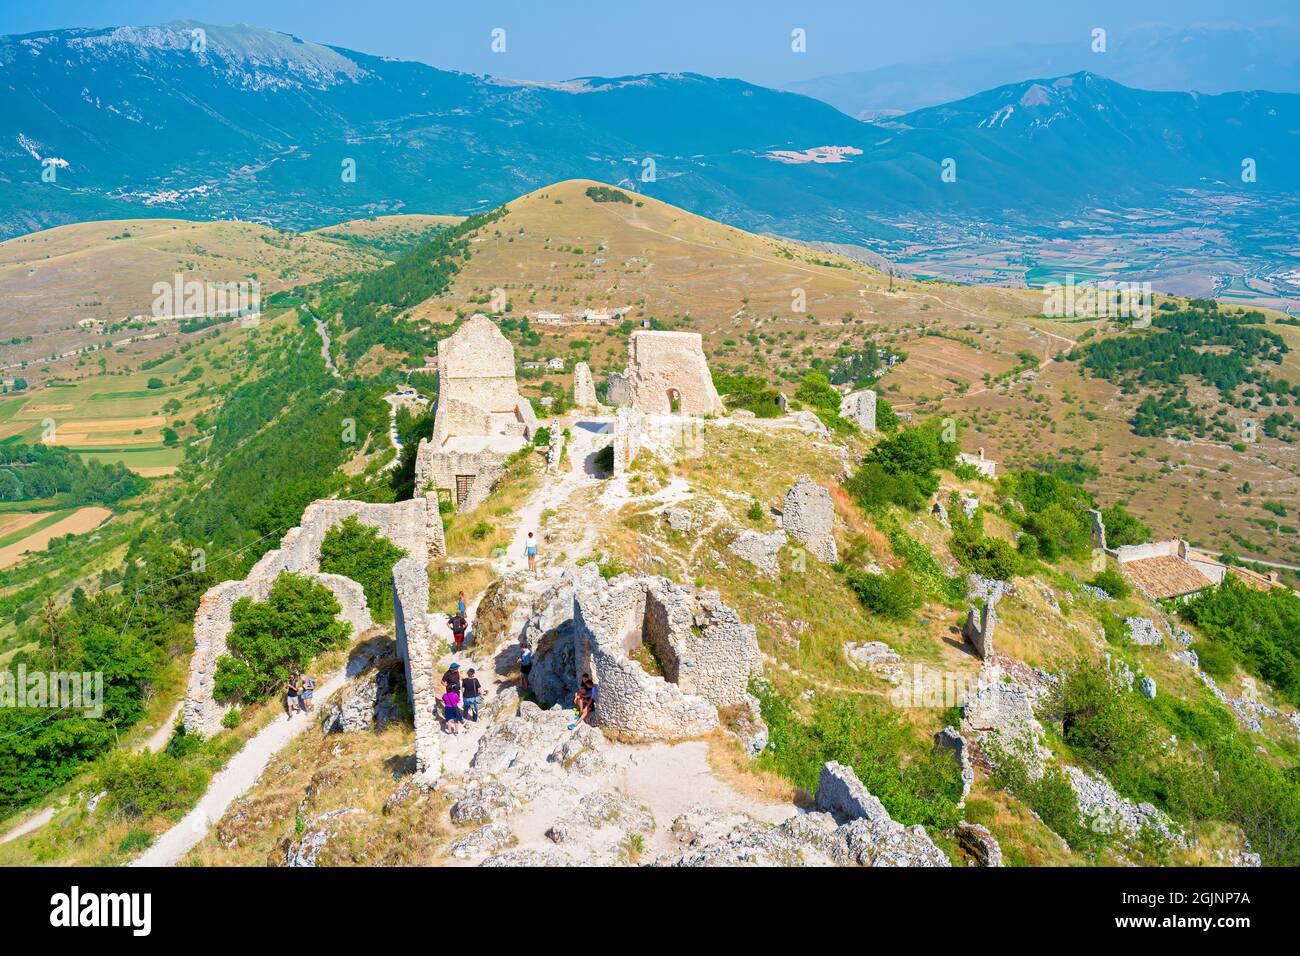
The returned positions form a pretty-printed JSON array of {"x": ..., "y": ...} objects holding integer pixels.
[
  {"x": 584, "y": 389},
  {"x": 860, "y": 408},
  {"x": 476, "y": 366},
  {"x": 979, "y": 628},
  {"x": 415, "y": 646},
  {"x": 583, "y": 623},
  {"x": 664, "y": 365},
  {"x": 414, "y": 525},
  {"x": 629, "y": 429},
  {"x": 707, "y": 654},
  {"x": 808, "y": 517},
  {"x": 619, "y": 393}
]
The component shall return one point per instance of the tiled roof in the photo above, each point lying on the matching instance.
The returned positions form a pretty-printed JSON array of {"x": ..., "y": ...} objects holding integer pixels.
[{"x": 1165, "y": 577}]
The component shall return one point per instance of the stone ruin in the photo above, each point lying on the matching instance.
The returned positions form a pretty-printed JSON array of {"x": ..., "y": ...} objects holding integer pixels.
[
  {"x": 860, "y": 408},
  {"x": 629, "y": 431},
  {"x": 667, "y": 374},
  {"x": 481, "y": 419},
  {"x": 808, "y": 517},
  {"x": 584, "y": 389},
  {"x": 985, "y": 466},
  {"x": 979, "y": 628},
  {"x": 705, "y": 655},
  {"x": 413, "y": 525}
]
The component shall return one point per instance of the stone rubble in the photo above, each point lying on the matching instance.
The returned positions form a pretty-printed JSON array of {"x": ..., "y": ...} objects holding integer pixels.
[{"x": 808, "y": 517}]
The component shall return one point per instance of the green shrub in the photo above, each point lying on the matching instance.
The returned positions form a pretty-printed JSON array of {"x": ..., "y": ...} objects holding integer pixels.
[
  {"x": 231, "y": 719},
  {"x": 360, "y": 552},
  {"x": 271, "y": 639},
  {"x": 135, "y": 841},
  {"x": 140, "y": 785},
  {"x": 480, "y": 531},
  {"x": 892, "y": 760},
  {"x": 893, "y": 594},
  {"x": 755, "y": 511},
  {"x": 1113, "y": 583},
  {"x": 1258, "y": 627},
  {"x": 990, "y": 557},
  {"x": 542, "y": 437},
  {"x": 1215, "y": 659}
]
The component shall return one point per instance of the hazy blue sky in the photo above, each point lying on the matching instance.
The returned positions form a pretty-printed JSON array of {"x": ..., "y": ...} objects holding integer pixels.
[{"x": 557, "y": 39}]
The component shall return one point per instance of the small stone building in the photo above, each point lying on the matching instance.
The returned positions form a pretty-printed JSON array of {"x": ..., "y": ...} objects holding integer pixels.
[
  {"x": 481, "y": 419},
  {"x": 860, "y": 408}
]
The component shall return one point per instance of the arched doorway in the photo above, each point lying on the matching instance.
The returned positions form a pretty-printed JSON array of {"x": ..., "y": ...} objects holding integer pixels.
[{"x": 674, "y": 401}]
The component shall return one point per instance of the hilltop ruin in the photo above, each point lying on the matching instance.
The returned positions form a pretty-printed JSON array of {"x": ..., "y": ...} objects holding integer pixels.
[{"x": 481, "y": 419}]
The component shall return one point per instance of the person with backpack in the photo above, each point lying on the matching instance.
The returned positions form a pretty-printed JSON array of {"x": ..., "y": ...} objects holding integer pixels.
[
  {"x": 525, "y": 663},
  {"x": 471, "y": 692},
  {"x": 291, "y": 696},
  {"x": 451, "y": 679},
  {"x": 458, "y": 626}
]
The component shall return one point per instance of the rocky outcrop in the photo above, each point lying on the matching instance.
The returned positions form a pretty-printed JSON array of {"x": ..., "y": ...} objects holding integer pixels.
[
  {"x": 878, "y": 657},
  {"x": 872, "y": 836},
  {"x": 760, "y": 550},
  {"x": 809, "y": 517},
  {"x": 1142, "y": 630},
  {"x": 860, "y": 408},
  {"x": 1103, "y": 809},
  {"x": 999, "y": 715},
  {"x": 367, "y": 702}
]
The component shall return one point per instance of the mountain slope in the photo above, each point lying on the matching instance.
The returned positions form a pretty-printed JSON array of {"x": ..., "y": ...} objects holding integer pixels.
[{"x": 270, "y": 128}]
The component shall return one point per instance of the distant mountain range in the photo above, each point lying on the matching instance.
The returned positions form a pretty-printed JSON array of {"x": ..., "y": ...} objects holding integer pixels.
[
  {"x": 1209, "y": 59},
  {"x": 262, "y": 126}
]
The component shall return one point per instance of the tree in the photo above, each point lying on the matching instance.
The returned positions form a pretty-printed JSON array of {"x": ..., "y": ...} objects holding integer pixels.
[
  {"x": 360, "y": 552},
  {"x": 270, "y": 640}
]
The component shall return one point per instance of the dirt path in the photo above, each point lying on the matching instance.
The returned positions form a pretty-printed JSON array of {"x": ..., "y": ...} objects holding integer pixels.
[
  {"x": 159, "y": 738},
  {"x": 236, "y": 779},
  {"x": 29, "y": 826}
]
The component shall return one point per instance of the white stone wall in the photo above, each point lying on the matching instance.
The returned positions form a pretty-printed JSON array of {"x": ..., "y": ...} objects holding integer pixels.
[
  {"x": 860, "y": 408},
  {"x": 629, "y": 430},
  {"x": 664, "y": 362},
  {"x": 415, "y": 646},
  {"x": 584, "y": 389},
  {"x": 414, "y": 525}
]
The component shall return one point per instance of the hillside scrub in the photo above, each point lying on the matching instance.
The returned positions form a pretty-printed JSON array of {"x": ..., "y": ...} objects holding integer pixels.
[
  {"x": 1052, "y": 510},
  {"x": 125, "y": 633},
  {"x": 361, "y": 553},
  {"x": 273, "y": 639},
  {"x": 914, "y": 784},
  {"x": 816, "y": 390},
  {"x": 749, "y": 392},
  {"x": 903, "y": 469},
  {"x": 1260, "y": 628},
  {"x": 892, "y": 594}
]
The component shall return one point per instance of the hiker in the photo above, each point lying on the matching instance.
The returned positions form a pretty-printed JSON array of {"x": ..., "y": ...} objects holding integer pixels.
[
  {"x": 525, "y": 663},
  {"x": 308, "y": 691},
  {"x": 451, "y": 679},
  {"x": 291, "y": 696},
  {"x": 531, "y": 551},
  {"x": 458, "y": 625},
  {"x": 451, "y": 711},
  {"x": 460, "y": 603},
  {"x": 584, "y": 699},
  {"x": 471, "y": 692}
]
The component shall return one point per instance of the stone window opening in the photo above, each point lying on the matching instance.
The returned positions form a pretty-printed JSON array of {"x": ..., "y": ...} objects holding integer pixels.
[{"x": 674, "y": 401}]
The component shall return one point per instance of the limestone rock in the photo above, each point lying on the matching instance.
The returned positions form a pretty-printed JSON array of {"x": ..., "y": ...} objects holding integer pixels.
[
  {"x": 978, "y": 843},
  {"x": 872, "y": 836},
  {"x": 1142, "y": 630},
  {"x": 809, "y": 517},
  {"x": 487, "y": 839},
  {"x": 1102, "y": 808},
  {"x": 760, "y": 550},
  {"x": 1147, "y": 686},
  {"x": 679, "y": 519},
  {"x": 878, "y": 657}
]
